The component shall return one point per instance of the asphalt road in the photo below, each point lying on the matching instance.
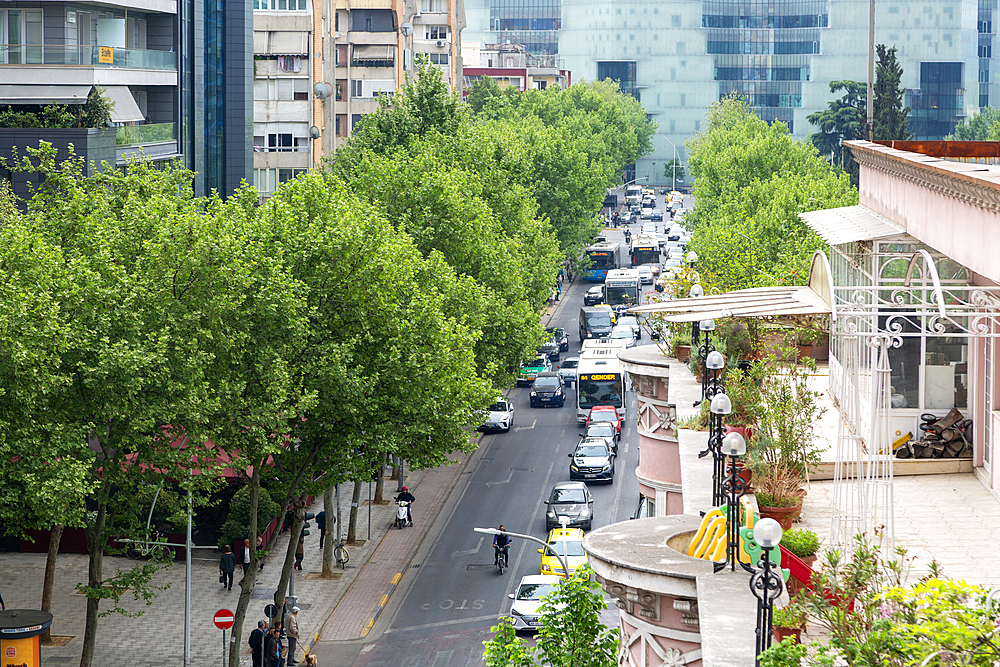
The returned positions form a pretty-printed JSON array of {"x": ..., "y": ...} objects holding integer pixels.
[{"x": 443, "y": 617}]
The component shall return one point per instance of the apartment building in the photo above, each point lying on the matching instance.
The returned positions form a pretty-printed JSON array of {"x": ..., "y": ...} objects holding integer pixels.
[
  {"x": 511, "y": 65},
  {"x": 177, "y": 71},
  {"x": 374, "y": 44}
]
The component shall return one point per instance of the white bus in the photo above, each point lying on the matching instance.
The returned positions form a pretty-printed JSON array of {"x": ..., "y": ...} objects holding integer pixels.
[
  {"x": 616, "y": 344},
  {"x": 633, "y": 195},
  {"x": 622, "y": 289},
  {"x": 600, "y": 380}
]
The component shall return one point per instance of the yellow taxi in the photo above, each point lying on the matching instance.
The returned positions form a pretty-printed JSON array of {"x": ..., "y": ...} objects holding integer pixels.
[
  {"x": 611, "y": 311},
  {"x": 568, "y": 542}
]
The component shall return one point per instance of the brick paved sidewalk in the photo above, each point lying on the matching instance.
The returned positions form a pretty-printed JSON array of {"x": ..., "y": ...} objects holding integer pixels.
[{"x": 156, "y": 637}]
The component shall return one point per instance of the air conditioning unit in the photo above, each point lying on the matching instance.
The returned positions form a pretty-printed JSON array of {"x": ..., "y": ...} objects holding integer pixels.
[{"x": 441, "y": 42}]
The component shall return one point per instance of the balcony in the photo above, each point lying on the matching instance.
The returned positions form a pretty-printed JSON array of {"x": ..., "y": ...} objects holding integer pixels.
[
  {"x": 153, "y": 142},
  {"x": 86, "y": 56}
]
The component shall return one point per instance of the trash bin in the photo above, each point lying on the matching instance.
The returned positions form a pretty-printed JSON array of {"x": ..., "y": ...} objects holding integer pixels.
[{"x": 19, "y": 632}]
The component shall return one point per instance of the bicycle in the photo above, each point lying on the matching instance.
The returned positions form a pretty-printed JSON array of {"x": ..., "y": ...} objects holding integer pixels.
[
  {"x": 340, "y": 553},
  {"x": 153, "y": 547},
  {"x": 501, "y": 559}
]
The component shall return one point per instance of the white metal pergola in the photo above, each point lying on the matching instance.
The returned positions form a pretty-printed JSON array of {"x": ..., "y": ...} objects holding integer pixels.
[{"x": 883, "y": 288}]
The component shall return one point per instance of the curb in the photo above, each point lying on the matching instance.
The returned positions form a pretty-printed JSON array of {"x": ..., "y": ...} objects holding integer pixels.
[{"x": 385, "y": 598}]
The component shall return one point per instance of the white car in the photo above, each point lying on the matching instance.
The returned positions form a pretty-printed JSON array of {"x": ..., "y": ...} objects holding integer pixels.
[
  {"x": 527, "y": 599},
  {"x": 630, "y": 320},
  {"x": 624, "y": 333},
  {"x": 648, "y": 228},
  {"x": 567, "y": 370},
  {"x": 500, "y": 417},
  {"x": 646, "y": 274}
]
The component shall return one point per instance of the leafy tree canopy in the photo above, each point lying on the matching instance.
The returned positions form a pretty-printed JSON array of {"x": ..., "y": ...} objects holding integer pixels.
[{"x": 981, "y": 126}]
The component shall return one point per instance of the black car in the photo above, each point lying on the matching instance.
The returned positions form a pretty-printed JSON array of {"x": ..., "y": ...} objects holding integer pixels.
[
  {"x": 549, "y": 348},
  {"x": 594, "y": 296},
  {"x": 559, "y": 335},
  {"x": 664, "y": 191},
  {"x": 592, "y": 460},
  {"x": 547, "y": 389},
  {"x": 573, "y": 501}
]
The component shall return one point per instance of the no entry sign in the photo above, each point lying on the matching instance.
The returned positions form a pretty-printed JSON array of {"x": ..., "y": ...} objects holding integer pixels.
[{"x": 224, "y": 619}]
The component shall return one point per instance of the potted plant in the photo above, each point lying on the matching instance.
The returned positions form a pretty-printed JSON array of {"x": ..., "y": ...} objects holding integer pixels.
[
  {"x": 803, "y": 543},
  {"x": 744, "y": 394},
  {"x": 680, "y": 345},
  {"x": 782, "y": 452},
  {"x": 790, "y": 620}
]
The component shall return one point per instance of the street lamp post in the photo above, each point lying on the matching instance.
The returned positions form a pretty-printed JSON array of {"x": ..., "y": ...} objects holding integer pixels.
[
  {"x": 734, "y": 446},
  {"x": 495, "y": 531},
  {"x": 705, "y": 327},
  {"x": 720, "y": 407},
  {"x": 673, "y": 170},
  {"x": 766, "y": 584}
]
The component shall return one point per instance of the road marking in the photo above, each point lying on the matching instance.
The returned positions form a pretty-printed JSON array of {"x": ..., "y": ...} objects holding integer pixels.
[
  {"x": 525, "y": 428},
  {"x": 468, "y": 552},
  {"x": 457, "y": 621},
  {"x": 534, "y": 519},
  {"x": 381, "y": 604},
  {"x": 505, "y": 481},
  {"x": 626, "y": 448}
]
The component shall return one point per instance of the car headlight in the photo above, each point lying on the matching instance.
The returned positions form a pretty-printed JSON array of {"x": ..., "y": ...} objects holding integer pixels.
[
  {"x": 550, "y": 514},
  {"x": 515, "y": 612},
  {"x": 606, "y": 468},
  {"x": 572, "y": 466},
  {"x": 546, "y": 567},
  {"x": 584, "y": 513},
  {"x": 532, "y": 394}
]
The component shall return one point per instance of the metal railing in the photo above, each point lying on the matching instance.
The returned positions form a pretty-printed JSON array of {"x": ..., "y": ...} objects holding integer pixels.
[
  {"x": 134, "y": 135},
  {"x": 88, "y": 56}
]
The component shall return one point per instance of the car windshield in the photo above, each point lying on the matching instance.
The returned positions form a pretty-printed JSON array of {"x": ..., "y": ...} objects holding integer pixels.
[
  {"x": 536, "y": 363},
  {"x": 568, "y": 495},
  {"x": 604, "y": 416},
  {"x": 629, "y": 320},
  {"x": 599, "y": 320},
  {"x": 622, "y": 333},
  {"x": 557, "y": 332},
  {"x": 601, "y": 429},
  {"x": 533, "y": 591},
  {"x": 546, "y": 383},
  {"x": 568, "y": 548},
  {"x": 499, "y": 406},
  {"x": 591, "y": 450},
  {"x": 570, "y": 363}
]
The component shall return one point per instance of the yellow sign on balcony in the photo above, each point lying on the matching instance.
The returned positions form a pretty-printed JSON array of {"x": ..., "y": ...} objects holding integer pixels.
[{"x": 106, "y": 54}]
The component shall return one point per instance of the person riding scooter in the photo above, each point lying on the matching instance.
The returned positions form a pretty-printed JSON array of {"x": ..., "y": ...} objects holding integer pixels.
[
  {"x": 500, "y": 544},
  {"x": 408, "y": 497}
]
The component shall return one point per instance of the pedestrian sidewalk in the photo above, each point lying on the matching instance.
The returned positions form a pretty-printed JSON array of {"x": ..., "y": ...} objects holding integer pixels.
[{"x": 156, "y": 638}]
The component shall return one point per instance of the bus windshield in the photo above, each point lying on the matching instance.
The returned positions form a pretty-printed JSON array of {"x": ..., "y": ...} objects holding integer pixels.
[
  {"x": 624, "y": 296},
  {"x": 601, "y": 259},
  {"x": 600, "y": 389}
]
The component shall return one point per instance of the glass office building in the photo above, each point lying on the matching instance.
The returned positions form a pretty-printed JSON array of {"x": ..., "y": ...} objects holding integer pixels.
[{"x": 679, "y": 57}]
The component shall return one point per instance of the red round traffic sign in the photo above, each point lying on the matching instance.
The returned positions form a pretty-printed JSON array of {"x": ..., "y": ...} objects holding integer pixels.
[{"x": 224, "y": 619}]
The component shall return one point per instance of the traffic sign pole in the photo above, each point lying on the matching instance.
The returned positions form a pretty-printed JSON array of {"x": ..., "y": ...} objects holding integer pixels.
[
  {"x": 223, "y": 647},
  {"x": 224, "y": 619}
]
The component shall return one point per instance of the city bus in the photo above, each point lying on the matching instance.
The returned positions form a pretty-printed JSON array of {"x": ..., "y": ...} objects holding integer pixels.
[
  {"x": 645, "y": 250},
  {"x": 633, "y": 195},
  {"x": 600, "y": 380},
  {"x": 604, "y": 257},
  {"x": 622, "y": 288}
]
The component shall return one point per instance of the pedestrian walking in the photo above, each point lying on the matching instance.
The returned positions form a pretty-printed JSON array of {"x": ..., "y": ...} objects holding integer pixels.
[
  {"x": 300, "y": 552},
  {"x": 227, "y": 565},
  {"x": 256, "y": 642},
  {"x": 321, "y": 524},
  {"x": 245, "y": 556},
  {"x": 272, "y": 648},
  {"x": 292, "y": 632}
]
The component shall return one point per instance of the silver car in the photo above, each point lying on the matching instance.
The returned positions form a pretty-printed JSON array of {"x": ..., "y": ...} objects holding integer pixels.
[
  {"x": 624, "y": 332},
  {"x": 567, "y": 370}
]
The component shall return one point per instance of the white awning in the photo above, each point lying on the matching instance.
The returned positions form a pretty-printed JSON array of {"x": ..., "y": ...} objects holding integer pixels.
[
  {"x": 849, "y": 224},
  {"x": 288, "y": 43},
  {"x": 125, "y": 109},
  {"x": 44, "y": 94},
  {"x": 374, "y": 52},
  {"x": 792, "y": 302}
]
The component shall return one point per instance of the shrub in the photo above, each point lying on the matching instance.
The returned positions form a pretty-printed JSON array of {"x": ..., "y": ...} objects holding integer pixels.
[
  {"x": 237, "y": 525},
  {"x": 801, "y": 542}
]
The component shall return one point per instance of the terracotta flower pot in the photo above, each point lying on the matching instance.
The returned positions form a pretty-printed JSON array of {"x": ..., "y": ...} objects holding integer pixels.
[
  {"x": 783, "y": 515},
  {"x": 780, "y": 633},
  {"x": 683, "y": 352}
]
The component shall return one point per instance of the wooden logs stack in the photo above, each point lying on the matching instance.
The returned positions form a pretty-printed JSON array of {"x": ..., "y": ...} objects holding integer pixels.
[{"x": 946, "y": 438}]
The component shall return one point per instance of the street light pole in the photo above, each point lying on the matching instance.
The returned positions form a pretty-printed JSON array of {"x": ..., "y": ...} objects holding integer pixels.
[{"x": 495, "y": 531}]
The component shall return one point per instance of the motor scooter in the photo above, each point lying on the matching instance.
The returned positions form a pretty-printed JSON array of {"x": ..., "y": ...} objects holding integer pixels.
[{"x": 401, "y": 518}]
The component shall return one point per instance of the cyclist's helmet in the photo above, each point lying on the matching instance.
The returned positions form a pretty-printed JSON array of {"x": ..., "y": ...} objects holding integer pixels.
[{"x": 404, "y": 488}]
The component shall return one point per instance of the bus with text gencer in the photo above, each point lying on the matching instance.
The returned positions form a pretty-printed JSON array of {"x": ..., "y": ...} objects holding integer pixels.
[
  {"x": 600, "y": 381},
  {"x": 622, "y": 289},
  {"x": 604, "y": 257}
]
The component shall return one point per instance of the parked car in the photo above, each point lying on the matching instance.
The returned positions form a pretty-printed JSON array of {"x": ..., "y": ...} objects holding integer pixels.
[
  {"x": 573, "y": 501},
  {"x": 625, "y": 333},
  {"x": 524, "y": 614},
  {"x": 530, "y": 369},
  {"x": 567, "y": 370},
  {"x": 592, "y": 460},
  {"x": 604, "y": 413},
  {"x": 594, "y": 296},
  {"x": 559, "y": 336},
  {"x": 499, "y": 417},
  {"x": 568, "y": 543},
  {"x": 605, "y": 431},
  {"x": 547, "y": 389}
]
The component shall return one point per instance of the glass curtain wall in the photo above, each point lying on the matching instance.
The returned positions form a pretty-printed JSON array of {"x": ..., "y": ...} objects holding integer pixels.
[
  {"x": 215, "y": 98},
  {"x": 533, "y": 24}
]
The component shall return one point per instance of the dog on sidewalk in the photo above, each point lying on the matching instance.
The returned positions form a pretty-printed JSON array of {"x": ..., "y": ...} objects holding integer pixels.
[{"x": 310, "y": 660}]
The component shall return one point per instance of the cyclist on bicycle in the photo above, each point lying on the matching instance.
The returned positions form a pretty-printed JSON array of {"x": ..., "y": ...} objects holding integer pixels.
[{"x": 500, "y": 543}]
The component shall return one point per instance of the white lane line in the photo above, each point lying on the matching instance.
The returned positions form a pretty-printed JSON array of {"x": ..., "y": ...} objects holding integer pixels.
[
  {"x": 468, "y": 552},
  {"x": 503, "y": 481},
  {"x": 520, "y": 553},
  {"x": 525, "y": 428},
  {"x": 439, "y": 624}
]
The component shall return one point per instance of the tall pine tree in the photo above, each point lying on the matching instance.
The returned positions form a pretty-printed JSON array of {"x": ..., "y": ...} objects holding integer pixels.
[{"x": 891, "y": 120}]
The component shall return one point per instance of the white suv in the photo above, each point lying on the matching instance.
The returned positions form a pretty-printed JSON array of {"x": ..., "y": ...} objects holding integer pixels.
[{"x": 567, "y": 370}]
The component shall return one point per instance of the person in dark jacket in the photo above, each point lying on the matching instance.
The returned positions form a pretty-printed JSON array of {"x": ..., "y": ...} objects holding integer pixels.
[
  {"x": 408, "y": 497},
  {"x": 256, "y": 642},
  {"x": 227, "y": 565},
  {"x": 272, "y": 648},
  {"x": 300, "y": 552},
  {"x": 321, "y": 524}
]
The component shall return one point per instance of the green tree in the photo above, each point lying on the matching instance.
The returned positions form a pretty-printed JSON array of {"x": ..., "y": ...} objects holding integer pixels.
[
  {"x": 570, "y": 634},
  {"x": 890, "y": 117},
  {"x": 843, "y": 120},
  {"x": 673, "y": 170},
  {"x": 483, "y": 92},
  {"x": 980, "y": 126}
]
